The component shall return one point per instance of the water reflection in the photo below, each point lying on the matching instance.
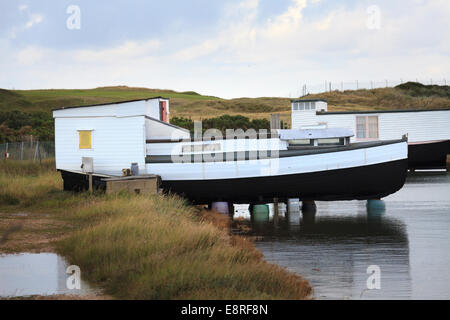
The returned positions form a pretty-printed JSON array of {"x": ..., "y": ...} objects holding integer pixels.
[
  {"x": 407, "y": 236},
  {"x": 334, "y": 251},
  {"x": 35, "y": 274}
]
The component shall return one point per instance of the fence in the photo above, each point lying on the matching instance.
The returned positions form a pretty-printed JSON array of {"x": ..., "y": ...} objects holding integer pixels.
[
  {"x": 328, "y": 86},
  {"x": 28, "y": 150}
]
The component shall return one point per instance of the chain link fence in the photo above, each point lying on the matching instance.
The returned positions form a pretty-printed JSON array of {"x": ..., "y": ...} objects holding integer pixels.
[
  {"x": 28, "y": 150},
  {"x": 328, "y": 86}
]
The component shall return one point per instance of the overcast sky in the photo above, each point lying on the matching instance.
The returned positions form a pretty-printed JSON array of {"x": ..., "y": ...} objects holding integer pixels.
[{"x": 227, "y": 48}]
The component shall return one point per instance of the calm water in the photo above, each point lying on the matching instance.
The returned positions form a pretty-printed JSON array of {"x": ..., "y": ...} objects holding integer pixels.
[
  {"x": 35, "y": 274},
  {"x": 409, "y": 241}
]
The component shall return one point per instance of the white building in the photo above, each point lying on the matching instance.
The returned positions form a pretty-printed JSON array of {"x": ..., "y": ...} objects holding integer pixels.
[
  {"x": 113, "y": 134},
  {"x": 425, "y": 128}
]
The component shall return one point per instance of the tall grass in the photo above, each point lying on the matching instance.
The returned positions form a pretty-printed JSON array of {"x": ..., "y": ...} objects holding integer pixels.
[{"x": 149, "y": 247}]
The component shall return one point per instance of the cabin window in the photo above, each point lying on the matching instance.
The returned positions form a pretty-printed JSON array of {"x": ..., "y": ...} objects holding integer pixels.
[
  {"x": 301, "y": 106},
  {"x": 331, "y": 142},
  {"x": 313, "y": 106},
  {"x": 295, "y": 106},
  {"x": 85, "y": 139},
  {"x": 300, "y": 142},
  {"x": 373, "y": 127},
  {"x": 367, "y": 127}
]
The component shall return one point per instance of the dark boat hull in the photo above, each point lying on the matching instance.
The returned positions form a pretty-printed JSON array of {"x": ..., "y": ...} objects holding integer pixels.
[
  {"x": 364, "y": 182},
  {"x": 428, "y": 155}
]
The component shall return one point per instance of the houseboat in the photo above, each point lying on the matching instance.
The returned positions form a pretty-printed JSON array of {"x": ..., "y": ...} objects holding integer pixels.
[
  {"x": 428, "y": 130},
  {"x": 241, "y": 167}
]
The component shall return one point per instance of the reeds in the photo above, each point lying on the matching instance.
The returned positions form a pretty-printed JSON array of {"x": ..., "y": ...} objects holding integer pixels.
[{"x": 149, "y": 247}]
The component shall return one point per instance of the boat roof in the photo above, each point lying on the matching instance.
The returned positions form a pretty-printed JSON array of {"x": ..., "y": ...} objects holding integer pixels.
[
  {"x": 379, "y": 111},
  {"x": 308, "y": 100},
  {"x": 295, "y": 134},
  {"x": 108, "y": 103}
]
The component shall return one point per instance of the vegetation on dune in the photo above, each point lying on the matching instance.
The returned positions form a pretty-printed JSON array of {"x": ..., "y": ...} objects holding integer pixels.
[
  {"x": 138, "y": 247},
  {"x": 19, "y": 126},
  {"x": 409, "y": 95}
]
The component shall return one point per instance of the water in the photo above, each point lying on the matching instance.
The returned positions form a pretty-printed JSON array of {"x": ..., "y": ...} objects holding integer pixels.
[
  {"x": 409, "y": 240},
  {"x": 35, "y": 274}
]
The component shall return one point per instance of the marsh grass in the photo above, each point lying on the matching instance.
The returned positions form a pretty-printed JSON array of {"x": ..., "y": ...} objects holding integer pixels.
[{"x": 148, "y": 247}]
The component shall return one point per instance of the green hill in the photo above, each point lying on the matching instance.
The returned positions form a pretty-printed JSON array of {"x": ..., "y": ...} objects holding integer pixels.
[{"x": 25, "y": 112}]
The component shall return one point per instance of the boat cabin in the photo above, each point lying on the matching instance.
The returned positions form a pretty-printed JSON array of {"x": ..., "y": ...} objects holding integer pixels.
[{"x": 114, "y": 135}]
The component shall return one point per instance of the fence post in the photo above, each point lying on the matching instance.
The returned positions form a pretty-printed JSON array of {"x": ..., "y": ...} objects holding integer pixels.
[
  {"x": 39, "y": 152},
  {"x": 36, "y": 151},
  {"x": 21, "y": 151},
  {"x": 6, "y": 151}
]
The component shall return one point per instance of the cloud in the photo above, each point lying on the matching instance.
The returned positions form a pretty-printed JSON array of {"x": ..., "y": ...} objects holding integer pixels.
[
  {"x": 30, "y": 55},
  {"x": 126, "y": 51},
  {"x": 34, "y": 19},
  {"x": 248, "y": 51},
  {"x": 23, "y": 7}
]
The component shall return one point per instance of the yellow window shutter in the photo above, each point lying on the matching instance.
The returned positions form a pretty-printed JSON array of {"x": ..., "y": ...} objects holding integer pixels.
[{"x": 85, "y": 139}]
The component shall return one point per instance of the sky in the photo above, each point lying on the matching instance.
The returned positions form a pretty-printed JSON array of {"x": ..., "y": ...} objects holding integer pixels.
[{"x": 226, "y": 48}]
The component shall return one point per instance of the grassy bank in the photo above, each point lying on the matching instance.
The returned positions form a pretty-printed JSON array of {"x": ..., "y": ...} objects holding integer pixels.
[{"x": 137, "y": 247}]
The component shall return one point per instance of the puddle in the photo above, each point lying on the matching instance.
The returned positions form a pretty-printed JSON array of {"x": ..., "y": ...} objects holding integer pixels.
[{"x": 36, "y": 274}]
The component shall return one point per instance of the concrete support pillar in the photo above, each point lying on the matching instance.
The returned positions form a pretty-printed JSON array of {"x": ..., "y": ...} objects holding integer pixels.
[
  {"x": 275, "y": 211},
  {"x": 220, "y": 206},
  {"x": 448, "y": 163},
  {"x": 90, "y": 183},
  {"x": 309, "y": 206},
  {"x": 375, "y": 207}
]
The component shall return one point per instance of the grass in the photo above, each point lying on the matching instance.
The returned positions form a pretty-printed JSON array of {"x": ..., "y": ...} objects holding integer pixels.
[{"x": 137, "y": 247}]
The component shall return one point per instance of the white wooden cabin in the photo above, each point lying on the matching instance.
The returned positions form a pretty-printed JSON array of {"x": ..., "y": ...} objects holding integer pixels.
[
  {"x": 419, "y": 125},
  {"x": 113, "y": 134}
]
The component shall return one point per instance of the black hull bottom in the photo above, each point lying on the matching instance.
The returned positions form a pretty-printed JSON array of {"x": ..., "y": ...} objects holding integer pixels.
[
  {"x": 358, "y": 183},
  {"x": 431, "y": 155}
]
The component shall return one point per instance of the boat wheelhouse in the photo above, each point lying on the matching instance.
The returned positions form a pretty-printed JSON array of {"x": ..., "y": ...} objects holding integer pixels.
[
  {"x": 243, "y": 167},
  {"x": 428, "y": 130}
]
